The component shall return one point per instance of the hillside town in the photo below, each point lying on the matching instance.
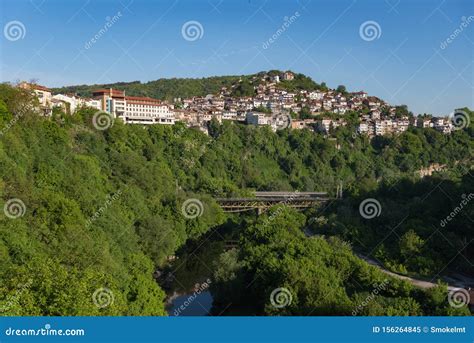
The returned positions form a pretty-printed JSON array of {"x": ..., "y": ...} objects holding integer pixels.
[{"x": 272, "y": 105}]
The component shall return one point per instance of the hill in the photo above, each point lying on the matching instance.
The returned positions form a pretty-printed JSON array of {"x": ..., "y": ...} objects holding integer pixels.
[
  {"x": 187, "y": 87},
  {"x": 89, "y": 215}
]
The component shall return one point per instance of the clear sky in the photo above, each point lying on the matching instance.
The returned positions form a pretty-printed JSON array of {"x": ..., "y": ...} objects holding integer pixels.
[{"x": 403, "y": 56}]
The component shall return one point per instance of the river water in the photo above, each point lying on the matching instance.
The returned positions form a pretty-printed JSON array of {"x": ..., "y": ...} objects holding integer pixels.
[
  {"x": 191, "y": 304},
  {"x": 189, "y": 278}
]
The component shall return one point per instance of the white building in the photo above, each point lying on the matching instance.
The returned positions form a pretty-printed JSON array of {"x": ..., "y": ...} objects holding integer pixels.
[
  {"x": 72, "y": 101},
  {"x": 288, "y": 76},
  {"x": 94, "y": 103},
  {"x": 142, "y": 110},
  {"x": 229, "y": 115},
  {"x": 365, "y": 128},
  {"x": 316, "y": 95},
  {"x": 134, "y": 109},
  {"x": 257, "y": 118},
  {"x": 443, "y": 125}
]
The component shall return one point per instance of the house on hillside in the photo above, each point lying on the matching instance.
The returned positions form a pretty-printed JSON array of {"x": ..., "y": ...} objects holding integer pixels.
[
  {"x": 288, "y": 76},
  {"x": 43, "y": 94}
]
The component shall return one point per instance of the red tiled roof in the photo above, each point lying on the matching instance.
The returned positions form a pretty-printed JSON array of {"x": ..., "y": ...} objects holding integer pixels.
[
  {"x": 141, "y": 98},
  {"x": 34, "y": 86},
  {"x": 41, "y": 88},
  {"x": 113, "y": 92}
]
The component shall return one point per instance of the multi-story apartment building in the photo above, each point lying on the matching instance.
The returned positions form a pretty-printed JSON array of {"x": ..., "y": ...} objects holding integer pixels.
[
  {"x": 135, "y": 109},
  {"x": 424, "y": 123},
  {"x": 288, "y": 76},
  {"x": 257, "y": 118},
  {"x": 443, "y": 125},
  {"x": 366, "y": 128}
]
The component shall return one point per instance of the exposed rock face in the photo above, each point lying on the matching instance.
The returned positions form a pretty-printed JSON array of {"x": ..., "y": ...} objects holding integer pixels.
[{"x": 431, "y": 169}]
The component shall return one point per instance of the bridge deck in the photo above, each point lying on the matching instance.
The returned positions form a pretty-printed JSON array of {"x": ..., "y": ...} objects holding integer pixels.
[
  {"x": 264, "y": 203},
  {"x": 289, "y": 194},
  {"x": 271, "y": 199}
]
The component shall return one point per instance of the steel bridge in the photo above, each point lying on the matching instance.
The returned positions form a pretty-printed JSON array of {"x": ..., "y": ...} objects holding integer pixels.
[{"x": 264, "y": 200}]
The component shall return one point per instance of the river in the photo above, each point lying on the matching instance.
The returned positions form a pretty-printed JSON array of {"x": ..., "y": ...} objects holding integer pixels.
[
  {"x": 191, "y": 304},
  {"x": 188, "y": 279}
]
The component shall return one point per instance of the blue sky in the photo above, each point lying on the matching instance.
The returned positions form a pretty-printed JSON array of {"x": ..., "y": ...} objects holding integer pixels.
[{"x": 403, "y": 63}]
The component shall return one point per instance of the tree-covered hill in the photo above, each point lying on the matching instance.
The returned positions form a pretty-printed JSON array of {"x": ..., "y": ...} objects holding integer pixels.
[
  {"x": 239, "y": 85},
  {"x": 88, "y": 215}
]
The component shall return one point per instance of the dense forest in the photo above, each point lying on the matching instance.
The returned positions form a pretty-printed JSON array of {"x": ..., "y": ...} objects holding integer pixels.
[{"x": 102, "y": 210}]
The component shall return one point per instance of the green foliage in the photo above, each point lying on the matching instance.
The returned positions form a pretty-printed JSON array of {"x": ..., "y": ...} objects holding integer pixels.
[
  {"x": 262, "y": 109},
  {"x": 320, "y": 276},
  {"x": 244, "y": 88},
  {"x": 170, "y": 89},
  {"x": 300, "y": 82},
  {"x": 104, "y": 209},
  {"x": 161, "y": 89}
]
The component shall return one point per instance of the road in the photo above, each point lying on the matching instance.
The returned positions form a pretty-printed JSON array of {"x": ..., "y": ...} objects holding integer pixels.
[{"x": 416, "y": 282}]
